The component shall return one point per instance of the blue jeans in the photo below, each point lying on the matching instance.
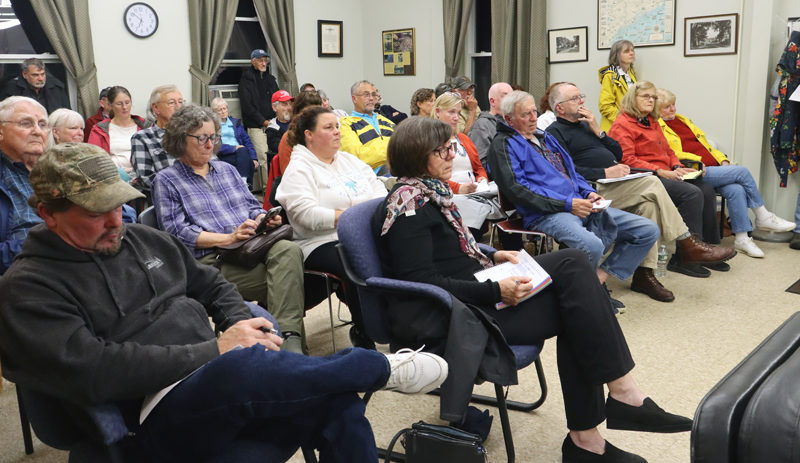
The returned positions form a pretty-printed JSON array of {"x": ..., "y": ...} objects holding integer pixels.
[
  {"x": 736, "y": 185},
  {"x": 797, "y": 215},
  {"x": 633, "y": 238},
  {"x": 281, "y": 399},
  {"x": 242, "y": 161}
]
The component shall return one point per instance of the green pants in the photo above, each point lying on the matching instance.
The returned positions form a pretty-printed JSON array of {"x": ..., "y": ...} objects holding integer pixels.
[{"x": 277, "y": 284}]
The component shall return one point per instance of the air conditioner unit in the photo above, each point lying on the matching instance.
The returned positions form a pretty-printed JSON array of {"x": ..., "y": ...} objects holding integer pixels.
[{"x": 230, "y": 93}]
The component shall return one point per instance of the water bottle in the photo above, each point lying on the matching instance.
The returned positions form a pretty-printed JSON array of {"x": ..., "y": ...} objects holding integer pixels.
[{"x": 663, "y": 258}]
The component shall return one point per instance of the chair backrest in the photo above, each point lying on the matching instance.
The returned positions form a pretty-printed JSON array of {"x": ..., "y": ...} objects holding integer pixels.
[
  {"x": 148, "y": 217},
  {"x": 361, "y": 252}
]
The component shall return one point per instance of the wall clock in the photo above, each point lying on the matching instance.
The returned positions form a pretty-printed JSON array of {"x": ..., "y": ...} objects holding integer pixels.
[{"x": 140, "y": 19}]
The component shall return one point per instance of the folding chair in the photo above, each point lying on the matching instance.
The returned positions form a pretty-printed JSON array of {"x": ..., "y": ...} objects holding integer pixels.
[{"x": 543, "y": 242}]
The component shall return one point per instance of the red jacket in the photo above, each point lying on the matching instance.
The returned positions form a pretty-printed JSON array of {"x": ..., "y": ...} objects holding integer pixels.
[
  {"x": 474, "y": 159},
  {"x": 99, "y": 116},
  {"x": 99, "y": 135},
  {"x": 643, "y": 147}
]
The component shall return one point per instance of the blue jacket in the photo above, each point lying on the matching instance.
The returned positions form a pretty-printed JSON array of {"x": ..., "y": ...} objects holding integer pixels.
[
  {"x": 241, "y": 136},
  {"x": 8, "y": 248},
  {"x": 528, "y": 180}
]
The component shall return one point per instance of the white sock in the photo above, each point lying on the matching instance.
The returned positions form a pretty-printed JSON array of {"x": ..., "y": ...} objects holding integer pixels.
[
  {"x": 761, "y": 213},
  {"x": 742, "y": 236}
]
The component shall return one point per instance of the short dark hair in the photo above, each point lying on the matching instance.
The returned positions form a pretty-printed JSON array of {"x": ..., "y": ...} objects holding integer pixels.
[
  {"x": 186, "y": 119},
  {"x": 55, "y": 205},
  {"x": 420, "y": 96},
  {"x": 306, "y": 120},
  {"x": 412, "y": 142}
]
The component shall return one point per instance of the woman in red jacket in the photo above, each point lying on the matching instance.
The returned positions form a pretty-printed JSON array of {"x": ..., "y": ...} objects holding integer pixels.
[{"x": 114, "y": 134}]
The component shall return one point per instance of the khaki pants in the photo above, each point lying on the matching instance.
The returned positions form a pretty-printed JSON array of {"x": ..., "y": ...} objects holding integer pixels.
[
  {"x": 259, "y": 139},
  {"x": 277, "y": 284},
  {"x": 647, "y": 197}
]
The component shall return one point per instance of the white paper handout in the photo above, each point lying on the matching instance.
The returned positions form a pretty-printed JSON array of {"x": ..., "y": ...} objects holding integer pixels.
[
  {"x": 527, "y": 266},
  {"x": 622, "y": 179}
]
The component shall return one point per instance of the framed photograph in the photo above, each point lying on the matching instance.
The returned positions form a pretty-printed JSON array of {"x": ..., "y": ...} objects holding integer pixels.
[
  {"x": 568, "y": 45},
  {"x": 399, "y": 52},
  {"x": 792, "y": 25},
  {"x": 329, "y": 38},
  {"x": 711, "y": 35},
  {"x": 646, "y": 24}
]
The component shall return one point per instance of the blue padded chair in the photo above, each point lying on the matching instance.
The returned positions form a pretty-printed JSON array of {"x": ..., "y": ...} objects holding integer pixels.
[
  {"x": 359, "y": 254},
  {"x": 148, "y": 217},
  {"x": 99, "y": 434}
]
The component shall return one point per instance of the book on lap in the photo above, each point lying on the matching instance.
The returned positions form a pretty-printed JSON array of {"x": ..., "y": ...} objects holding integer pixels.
[{"x": 527, "y": 267}]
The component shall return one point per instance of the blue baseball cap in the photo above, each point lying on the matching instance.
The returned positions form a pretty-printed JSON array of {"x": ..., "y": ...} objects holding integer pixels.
[{"x": 257, "y": 53}]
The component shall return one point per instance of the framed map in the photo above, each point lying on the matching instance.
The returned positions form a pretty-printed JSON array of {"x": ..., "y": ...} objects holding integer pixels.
[{"x": 646, "y": 23}]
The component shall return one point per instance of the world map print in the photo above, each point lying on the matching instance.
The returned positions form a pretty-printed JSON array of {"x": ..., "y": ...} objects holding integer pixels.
[{"x": 643, "y": 22}]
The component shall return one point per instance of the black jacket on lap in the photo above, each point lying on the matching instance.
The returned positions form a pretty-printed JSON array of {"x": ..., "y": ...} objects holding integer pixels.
[
  {"x": 255, "y": 96},
  {"x": 590, "y": 154}
]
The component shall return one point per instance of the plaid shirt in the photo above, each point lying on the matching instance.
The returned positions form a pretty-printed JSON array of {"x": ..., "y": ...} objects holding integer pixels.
[
  {"x": 147, "y": 155},
  {"x": 15, "y": 176},
  {"x": 187, "y": 204}
]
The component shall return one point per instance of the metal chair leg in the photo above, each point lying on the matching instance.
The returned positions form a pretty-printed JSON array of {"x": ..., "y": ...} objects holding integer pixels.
[
  {"x": 504, "y": 422},
  {"x": 26, "y": 426},
  {"x": 308, "y": 455}
]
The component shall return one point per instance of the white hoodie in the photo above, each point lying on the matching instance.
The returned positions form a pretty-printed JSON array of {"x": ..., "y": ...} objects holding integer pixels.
[{"x": 312, "y": 190}]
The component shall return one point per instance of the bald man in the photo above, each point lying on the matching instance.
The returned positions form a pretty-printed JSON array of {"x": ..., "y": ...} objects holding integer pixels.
[{"x": 484, "y": 129}]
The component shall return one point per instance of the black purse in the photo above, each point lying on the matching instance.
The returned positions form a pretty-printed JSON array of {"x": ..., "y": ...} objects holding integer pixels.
[
  {"x": 430, "y": 443},
  {"x": 250, "y": 252}
]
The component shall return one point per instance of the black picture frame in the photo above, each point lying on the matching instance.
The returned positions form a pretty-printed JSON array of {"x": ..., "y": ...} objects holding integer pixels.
[
  {"x": 568, "y": 45},
  {"x": 607, "y": 15},
  {"x": 329, "y": 38},
  {"x": 699, "y": 41}
]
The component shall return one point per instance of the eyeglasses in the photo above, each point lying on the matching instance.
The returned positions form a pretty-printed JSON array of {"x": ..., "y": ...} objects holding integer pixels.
[
  {"x": 444, "y": 152},
  {"x": 648, "y": 97},
  {"x": 203, "y": 139},
  {"x": 29, "y": 124},
  {"x": 173, "y": 103},
  {"x": 574, "y": 99},
  {"x": 368, "y": 94}
]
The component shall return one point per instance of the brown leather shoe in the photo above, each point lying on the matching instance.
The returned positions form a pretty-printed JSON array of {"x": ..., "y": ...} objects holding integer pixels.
[
  {"x": 644, "y": 281},
  {"x": 693, "y": 251}
]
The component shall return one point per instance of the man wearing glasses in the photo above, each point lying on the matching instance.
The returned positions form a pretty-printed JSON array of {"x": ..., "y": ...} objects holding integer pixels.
[
  {"x": 23, "y": 137},
  {"x": 255, "y": 95},
  {"x": 365, "y": 133}
]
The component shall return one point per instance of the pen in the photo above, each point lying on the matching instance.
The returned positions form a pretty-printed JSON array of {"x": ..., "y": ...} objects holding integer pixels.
[{"x": 268, "y": 330}]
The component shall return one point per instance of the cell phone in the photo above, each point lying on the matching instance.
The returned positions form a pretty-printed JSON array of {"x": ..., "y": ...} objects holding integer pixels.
[{"x": 262, "y": 226}]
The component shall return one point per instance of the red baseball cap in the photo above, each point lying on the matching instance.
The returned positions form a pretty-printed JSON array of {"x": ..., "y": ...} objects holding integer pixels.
[{"x": 281, "y": 95}]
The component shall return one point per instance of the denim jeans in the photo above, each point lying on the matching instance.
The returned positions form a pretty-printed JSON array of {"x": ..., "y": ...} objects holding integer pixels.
[
  {"x": 736, "y": 185},
  {"x": 281, "y": 399},
  {"x": 240, "y": 159},
  {"x": 633, "y": 238}
]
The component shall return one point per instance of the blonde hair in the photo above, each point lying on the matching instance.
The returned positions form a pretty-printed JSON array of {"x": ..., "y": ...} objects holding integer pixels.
[
  {"x": 445, "y": 101},
  {"x": 665, "y": 97},
  {"x": 62, "y": 117},
  {"x": 629, "y": 104}
]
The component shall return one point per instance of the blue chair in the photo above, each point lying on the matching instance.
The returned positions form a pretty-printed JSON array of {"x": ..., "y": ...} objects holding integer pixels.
[
  {"x": 359, "y": 254},
  {"x": 148, "y": 217},
  {"x": 98, "y": 433}
]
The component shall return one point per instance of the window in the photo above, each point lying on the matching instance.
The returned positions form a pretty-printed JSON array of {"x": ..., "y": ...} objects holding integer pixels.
[
  {"x": 246, "y": 37},
  {"x": 481, "y": 55}
]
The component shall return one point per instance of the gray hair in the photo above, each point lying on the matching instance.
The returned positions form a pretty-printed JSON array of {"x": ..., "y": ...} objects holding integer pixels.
[
  {"x": 616, "y": 49},
  {"x": 358, "y": 84},
  {"x": 62, "y": 117},
  {"x": 510, "y": 101},
  {"x": 156, "y": 95},
  {"x": 322, "y": 94},
  {"x": 218, "y": 101},
  {"x": 8, "y": 106},
  {"x": 185, "y": 120},
  {"x": 35, "y": 62},
  {"x": 557, "y": 94}
]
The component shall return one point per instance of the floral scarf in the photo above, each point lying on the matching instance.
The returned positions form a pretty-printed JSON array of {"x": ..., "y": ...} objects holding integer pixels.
[{"x": 414, "y": 193}]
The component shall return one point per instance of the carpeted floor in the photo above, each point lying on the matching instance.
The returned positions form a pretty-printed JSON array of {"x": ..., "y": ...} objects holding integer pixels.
[{"x": 681, "y": 348}]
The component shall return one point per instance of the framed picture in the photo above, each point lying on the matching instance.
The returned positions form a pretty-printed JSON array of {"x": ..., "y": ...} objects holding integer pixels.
[
  {"x": 399, "y": 52},
  {"x": 329, "y": 38},
  {"x": 646, "y": 24},
  {"x": 792, "y": 25},
  {"x": 568, "y": 45},
  {"x": 711, "y": 35}
]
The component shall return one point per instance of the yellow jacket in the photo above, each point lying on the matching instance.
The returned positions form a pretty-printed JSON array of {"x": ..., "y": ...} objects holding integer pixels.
[
  {"x": 675, "y": 141},
  {"x": 360, "y": 139},
  {"x": 612, "y": 88}
]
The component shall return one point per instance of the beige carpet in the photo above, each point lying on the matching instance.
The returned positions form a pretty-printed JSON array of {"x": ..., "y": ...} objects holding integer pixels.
[{"x": 682, "y": 349}]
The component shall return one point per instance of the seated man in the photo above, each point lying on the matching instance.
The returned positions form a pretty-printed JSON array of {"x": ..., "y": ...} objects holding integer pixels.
[
  {"x": 536, "y": 174},
  {"x": 598, "y": 156},
  {"x": 147, "y": 155},
  {"x": 236, "y": 148},
  {"x": 485, "y": 127},
  {"x": 103, "y": 113},
  {"x": 469, "y": 113},
  {"x": 125, "y": 309},
  {"x": 365, "y": 133},
  {"x": 282, "y": 105}
]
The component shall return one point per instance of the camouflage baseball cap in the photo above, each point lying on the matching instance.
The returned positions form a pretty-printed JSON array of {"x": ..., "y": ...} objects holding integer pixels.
[{"x": 83, "y": 174}]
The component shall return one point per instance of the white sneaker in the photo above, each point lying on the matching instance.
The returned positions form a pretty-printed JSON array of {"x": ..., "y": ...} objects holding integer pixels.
[
  {"x": 748, "y": 246},
  {"x": 415, "y": 372},
  {"x": 775, "y": 223}
]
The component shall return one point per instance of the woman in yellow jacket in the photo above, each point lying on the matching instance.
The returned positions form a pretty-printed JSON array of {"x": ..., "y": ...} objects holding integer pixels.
[
  {"x": 615, "y": 80},
  {"x": 734, "y": 183}
]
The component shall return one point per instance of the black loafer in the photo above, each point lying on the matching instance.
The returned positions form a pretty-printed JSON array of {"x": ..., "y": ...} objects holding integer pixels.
[
  {"x": 571, "y": 453},
  {"x": 692, "y": 270},
  {"x": 360, "y": 339},
  {"x": 649, "y": 417},
  {"x": 719, "y": 266}
]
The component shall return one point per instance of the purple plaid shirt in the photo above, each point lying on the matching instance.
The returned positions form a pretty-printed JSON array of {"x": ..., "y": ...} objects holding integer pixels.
[{"x": 187, "y": 204}]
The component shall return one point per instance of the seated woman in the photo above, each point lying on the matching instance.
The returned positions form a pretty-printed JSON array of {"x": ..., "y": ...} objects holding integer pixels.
[
  {"x": 206, "y": 204},
  {"x": 319, "y": 184},
  {"x": 615, "y": 79},
  {"x": 423, "y": 239},
  {"x": 301, "y": 102},
  {"x": 326, "y": 103},
  {"x": 422, "y": 102},
  {"x": 644, "y": 147},
  {"x": 114, "y": 134},
  {"x": 734, "y": 183},
  {"x": 236, "y": 148}
]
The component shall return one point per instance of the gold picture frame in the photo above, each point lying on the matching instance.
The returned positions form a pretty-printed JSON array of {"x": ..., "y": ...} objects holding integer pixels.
[{"x": 399, "y": 52}]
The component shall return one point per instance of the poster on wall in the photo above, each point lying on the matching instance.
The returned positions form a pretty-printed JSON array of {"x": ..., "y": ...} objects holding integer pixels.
[
  {"x": 646, "y": 23},
  {"x": 711, "y": 35},
  {"x": 399, "y": 52}
]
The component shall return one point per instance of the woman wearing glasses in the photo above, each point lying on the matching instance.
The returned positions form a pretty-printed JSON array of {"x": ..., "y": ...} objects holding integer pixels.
[
  {"x": 114, "y": 134},
  {"x": 615, "y": 79},
  {"x": 205, "y": 204},
  {"x": 644, "y": 147}
]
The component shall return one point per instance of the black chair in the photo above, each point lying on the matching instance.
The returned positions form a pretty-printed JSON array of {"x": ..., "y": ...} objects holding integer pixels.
[{"x": 359, "y": 254}]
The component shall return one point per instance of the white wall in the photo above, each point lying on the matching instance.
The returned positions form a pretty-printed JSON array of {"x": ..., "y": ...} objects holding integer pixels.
[{"x": 141, "y": 64}]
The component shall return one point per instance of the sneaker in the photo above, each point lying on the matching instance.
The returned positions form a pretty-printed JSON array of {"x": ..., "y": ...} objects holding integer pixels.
[
  {"x": 415, "y": 372},
  {"x": 616, "y": 304},
  {"x": 748, "y": 246},
  {"x": 775, "y": 224}
]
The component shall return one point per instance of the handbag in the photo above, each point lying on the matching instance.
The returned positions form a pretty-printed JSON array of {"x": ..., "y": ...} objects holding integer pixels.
[
  {"x": 430, "y": 443},
  {"x": 252, "y": 251}
]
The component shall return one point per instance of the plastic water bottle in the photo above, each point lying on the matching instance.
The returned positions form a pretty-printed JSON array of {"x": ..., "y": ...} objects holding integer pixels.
[{"x": 663, "y": 257}]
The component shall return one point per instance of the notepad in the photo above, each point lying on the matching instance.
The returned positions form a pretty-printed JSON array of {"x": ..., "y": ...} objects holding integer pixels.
[
  {"x": 526, "y": 266},
  {"x": 622, "y": 179},
  {"x": 692, "y": 175}
]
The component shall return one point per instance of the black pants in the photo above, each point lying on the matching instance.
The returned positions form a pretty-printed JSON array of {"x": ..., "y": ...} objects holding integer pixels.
[
  {"x": 242, "y": 161},
  {"x": 591, "y": 347},
  {"x": 697, "y": 203},
  {"x": 326, "y": 259}
]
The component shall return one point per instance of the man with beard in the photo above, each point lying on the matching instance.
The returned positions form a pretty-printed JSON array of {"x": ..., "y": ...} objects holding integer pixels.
[
  {"x": 36, "y": 84},
  {"x": 23, "y": 135},
  {"x": 282, "y": 105}
]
